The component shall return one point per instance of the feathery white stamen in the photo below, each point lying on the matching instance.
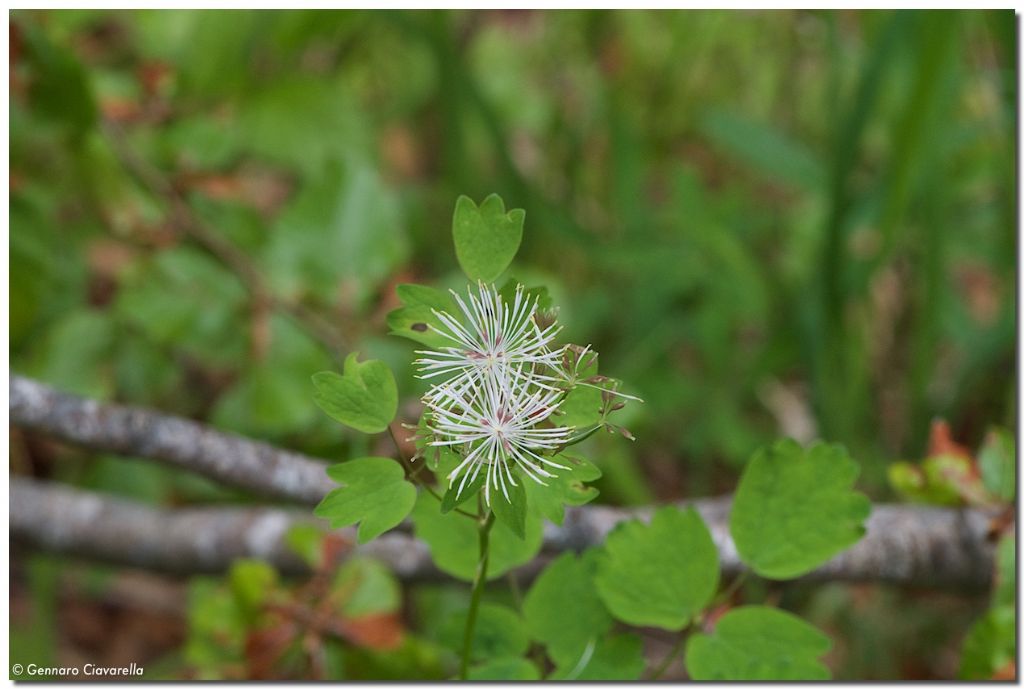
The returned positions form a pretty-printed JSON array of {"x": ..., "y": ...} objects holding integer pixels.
[
  {"x": 491, "y": 341},
  {"x": 496, "y": 424}
]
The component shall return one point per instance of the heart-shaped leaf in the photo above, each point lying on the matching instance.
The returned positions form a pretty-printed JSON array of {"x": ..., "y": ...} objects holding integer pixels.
[
  {"x": 486, "y": 237},
  {"x": 365, "y": 397}
]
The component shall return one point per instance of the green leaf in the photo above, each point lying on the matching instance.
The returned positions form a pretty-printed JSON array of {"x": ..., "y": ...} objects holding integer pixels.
[
  {"x": 1006, "y": 571},
  {"x": 990, "y": 645},
  {"x": 364, "y": 586},
  {"x": 659, "y": 575},
  {"x": 452, "y": 539},
  {"x": 539, "y": 293},
  {"x": 72, "y": 353},
  {"x": 306, "y": 541},
  {"x": 499, "y": 633},
  {"x": 614, "y": 658},
  {"x": 511, "y": 512},
  {"x": 344, "y": 223},
  {"x": 567, "y": 578},
  {"x": 758, "y": 643},
  {"x": 505, "y": 670},
  {"x": 486, "y": 238},
  {"x": 764, "y": 148},
  {"x": 581, "y": 408},
  {"x": 998, "y": 464},
  {"x": 373, "y": 492},
  {"x": 251, "y": 582},
  {"x": 453, "y": 498},
  {"x": 413, "y": 320},
  {"x": 794, "y": 508},
  {"x": 59, "y": 86},
  {"x": 184, "y": 299},
  {"x": 365, "y": 397},
  {"x": 912, "y": 483},
  {"x": 568, "y": 487}
]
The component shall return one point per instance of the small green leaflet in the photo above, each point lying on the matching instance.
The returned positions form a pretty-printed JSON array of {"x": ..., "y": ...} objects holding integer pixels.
[
  {"x": 581, "y": 408},
  {"x": 452, "y": 539},
  {"x": 758, "y": 643},
  {"x": 486, "y": 238},
  {"x": 453, "y": 498},
  {"x": 568, "y": 487},
  {"x": 659, "y": 575},
  {"x": 511, "y": 512},
  {"x": 415, "y": 319},
  {"x": 566, "y": 636},
  {"x": 252, "y": 582},
  {"x": 365, "y": 397},
  {"x": 366, "y": 586},
  {"x": 373, "y": 492},
  {"x": 794, "y": 508},
  {"x": 499, "y": 633},
  {"x": 539, "y": 293}
]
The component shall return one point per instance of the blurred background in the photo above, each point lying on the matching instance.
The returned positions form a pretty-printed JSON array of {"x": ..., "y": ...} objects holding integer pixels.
[{"x": 768, "y": 223}]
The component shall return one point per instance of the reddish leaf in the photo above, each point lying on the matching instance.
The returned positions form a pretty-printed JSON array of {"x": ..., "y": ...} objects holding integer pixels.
[
  {"x": 380, "y": 632},
  {"x": 265, "y": 647}
]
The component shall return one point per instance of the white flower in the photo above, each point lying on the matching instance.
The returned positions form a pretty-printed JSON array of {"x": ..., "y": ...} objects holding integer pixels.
[
  {"x": 496, "y": 424},
  {"x": 495, "y": 341}
]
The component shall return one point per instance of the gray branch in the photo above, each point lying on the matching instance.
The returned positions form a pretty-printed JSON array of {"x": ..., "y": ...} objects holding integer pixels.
[
  {"x": 137, "y": 432},
  {"x": 904, "y": 545}
]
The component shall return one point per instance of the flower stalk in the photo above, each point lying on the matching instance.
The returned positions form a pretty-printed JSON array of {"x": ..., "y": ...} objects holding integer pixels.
[{"x": 485, "y": 524}]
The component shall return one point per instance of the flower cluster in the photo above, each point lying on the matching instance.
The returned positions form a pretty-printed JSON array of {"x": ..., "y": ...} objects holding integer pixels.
[{"x": 496, "y": 391}]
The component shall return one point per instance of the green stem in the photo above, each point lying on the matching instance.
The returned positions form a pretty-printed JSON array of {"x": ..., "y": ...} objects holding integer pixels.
[
  {"x": 478, "y": 588},
  {"x": 413, "y": 474},
  {"x": 726, "y": 594}
]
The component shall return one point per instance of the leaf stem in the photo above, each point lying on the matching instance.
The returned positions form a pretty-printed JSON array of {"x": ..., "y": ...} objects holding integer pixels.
[
  {"x": 734, "y": 586},
  {"x": 485, "y": 524},
  {"x": 413, "y": 474}
]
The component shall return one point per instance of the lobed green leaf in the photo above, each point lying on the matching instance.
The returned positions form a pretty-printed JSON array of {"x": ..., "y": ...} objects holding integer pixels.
[
  {"x": 373, "y": 492},
  {"x": 661, "y": 574},
  {"x": 758, "y": 643},
  {"x": 794, "y": 508}
]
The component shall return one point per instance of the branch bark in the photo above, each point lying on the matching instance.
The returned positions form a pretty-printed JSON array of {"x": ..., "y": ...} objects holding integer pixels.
[
  {"x": 137, "y": 432},
  {"x": 909, "y": 545},
  {"x": 904, "y": 545}
]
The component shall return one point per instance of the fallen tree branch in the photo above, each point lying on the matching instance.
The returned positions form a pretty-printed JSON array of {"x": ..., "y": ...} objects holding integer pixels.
[
  {"x": 904, "y": 545},
  {"x": 138, "y": 432}
]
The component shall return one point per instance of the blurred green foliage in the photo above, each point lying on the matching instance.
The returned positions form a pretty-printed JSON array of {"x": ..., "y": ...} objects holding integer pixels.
[{"x": 769, "y": 223}]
